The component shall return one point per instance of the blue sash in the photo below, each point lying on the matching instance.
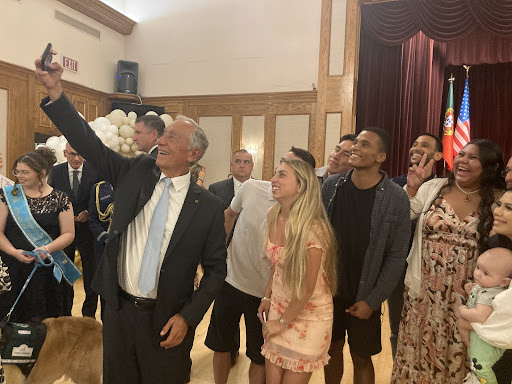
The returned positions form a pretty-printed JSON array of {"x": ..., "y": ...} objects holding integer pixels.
[{"x": 37, "y": 236}]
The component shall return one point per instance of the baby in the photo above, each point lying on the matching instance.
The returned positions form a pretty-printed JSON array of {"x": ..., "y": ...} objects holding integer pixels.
[{"x": 492, "y": 276}]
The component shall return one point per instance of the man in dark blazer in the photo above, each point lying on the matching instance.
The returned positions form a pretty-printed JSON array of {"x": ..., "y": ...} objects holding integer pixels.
[
  {"x": 148, "y": 335},
  {"x": 75, "y": 178},
  {"x": 241, "y": 169},
  {"x": 148, "y": 129}
]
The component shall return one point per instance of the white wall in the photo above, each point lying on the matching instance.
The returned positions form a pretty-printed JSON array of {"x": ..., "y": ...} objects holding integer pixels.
[
  {"x": 27, "y": 26},
  {"x": 224, "y": 46}
]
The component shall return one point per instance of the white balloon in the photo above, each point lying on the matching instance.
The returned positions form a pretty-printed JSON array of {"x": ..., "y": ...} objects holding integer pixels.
[
  {"x": 121, "y": 140},
  {"x": 52, "y": 142},
  {"x": 109, "y": 136},
  {"x": 117, "y": 148},
  {"x": 132, "y": 123},
  {"x": 63, "y": 139},
  {"x": 129, "y": 141},
  {"x": 132, "y": 115},
  {"x": 116, "y": 120},
  {"x": 134, "y": 147},
  {"x": 126, "y": 120},
  {"x": 126, "y": 131},
  {"x": 152, "y": 113},
  {"x": 101, "y": 135},
  {"x": 99, "y": 121},
  {"x": 166, "y": 118},
  {"x": 114, "y": 141},
  {"x": 137, "y": 153},
  {"x": 113, "y": 128},
  {"x": 118, "y": 112},
  {"x": 125, "y": 148}
]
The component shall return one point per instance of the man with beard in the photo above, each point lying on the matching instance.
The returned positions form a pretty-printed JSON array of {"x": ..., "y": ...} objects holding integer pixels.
[
  {"x": 425, "y": 143},
  {"x": 432, "y": 146},
  {"x": 338, "y": 159}
]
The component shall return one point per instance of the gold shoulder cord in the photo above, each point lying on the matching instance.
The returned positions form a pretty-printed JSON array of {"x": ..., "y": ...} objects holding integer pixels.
[{"x": 107, "y": 215}]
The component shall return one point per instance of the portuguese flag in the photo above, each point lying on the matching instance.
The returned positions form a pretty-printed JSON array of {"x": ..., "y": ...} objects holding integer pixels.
[{"x": 448, "y": 128}]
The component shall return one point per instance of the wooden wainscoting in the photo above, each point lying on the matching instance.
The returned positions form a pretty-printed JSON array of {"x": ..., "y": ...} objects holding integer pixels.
[
  {"x": 25, "y": 118},
  {"x": 237, "y": 106}
]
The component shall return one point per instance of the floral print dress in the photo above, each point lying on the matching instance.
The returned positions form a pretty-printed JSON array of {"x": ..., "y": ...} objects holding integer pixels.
[
  {"x": 303, "y": 346},
  {"x": 429, "y": 349}
]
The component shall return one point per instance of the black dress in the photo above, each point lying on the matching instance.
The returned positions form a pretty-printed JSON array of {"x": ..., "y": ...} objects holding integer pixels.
[{"x": 43, "y": 296}]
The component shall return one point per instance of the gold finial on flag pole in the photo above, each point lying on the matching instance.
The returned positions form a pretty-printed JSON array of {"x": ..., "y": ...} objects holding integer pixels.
[
  {"x": 466, "y": 67},
  {"x": 451, "y": 78}
]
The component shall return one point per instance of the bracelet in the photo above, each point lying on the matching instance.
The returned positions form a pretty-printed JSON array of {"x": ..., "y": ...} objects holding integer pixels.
[
  {"x": 200, "y": 178},
  {"x": 281, "y": 320},
  {"x": 45, "y": 247},
  {"x": 265, "y": 298}
]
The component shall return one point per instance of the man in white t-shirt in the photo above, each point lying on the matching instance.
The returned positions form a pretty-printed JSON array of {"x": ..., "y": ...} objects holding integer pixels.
[{"x": 247, "y": 278}]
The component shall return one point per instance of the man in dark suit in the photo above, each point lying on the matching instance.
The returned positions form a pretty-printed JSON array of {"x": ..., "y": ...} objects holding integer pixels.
[
  {"x": 241, "y": 169},
  {"x": 151, "y": 306},
  {"x": 75, "y": 178},
  {"x": 148, "y": 129}
]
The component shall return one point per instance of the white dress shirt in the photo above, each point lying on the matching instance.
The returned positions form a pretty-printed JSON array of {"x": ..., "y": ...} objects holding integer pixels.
[
  {"x": 236, "y": 185},
  {"x": 70, "y": 174},
  {"x": 133, "y": 240}
]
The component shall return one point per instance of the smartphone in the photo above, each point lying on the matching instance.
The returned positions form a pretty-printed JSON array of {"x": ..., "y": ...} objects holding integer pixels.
[{"x": 46, "y": 57}]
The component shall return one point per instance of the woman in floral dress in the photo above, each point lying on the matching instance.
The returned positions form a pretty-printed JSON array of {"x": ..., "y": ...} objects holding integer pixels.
[
  {"x": 455, "y": 219},
  {"x": 297, "y": 309}
]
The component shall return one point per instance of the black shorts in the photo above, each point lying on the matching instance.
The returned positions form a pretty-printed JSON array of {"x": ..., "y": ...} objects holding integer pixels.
[
  {"x": 228, "y": 308},
  {"x": 363, "y": 335}
]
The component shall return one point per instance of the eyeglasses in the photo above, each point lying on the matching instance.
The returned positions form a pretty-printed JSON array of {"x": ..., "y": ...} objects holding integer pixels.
[
  {"x": 20, "y": 173},
  {"x": 505, "y": 172},
  {"x": 72, "y": 154}
]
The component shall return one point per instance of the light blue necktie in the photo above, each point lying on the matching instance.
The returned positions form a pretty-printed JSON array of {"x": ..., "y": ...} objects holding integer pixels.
[{"x": 148, "y": 269}]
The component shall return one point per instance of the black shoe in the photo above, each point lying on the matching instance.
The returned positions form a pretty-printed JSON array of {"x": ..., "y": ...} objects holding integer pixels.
[{"x": 234, "y": 357}]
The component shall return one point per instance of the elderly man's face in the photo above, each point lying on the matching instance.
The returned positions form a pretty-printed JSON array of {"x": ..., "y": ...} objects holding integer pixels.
[
  {"x": 508, "y": 178},
  {"x": 174, "y": 156}
]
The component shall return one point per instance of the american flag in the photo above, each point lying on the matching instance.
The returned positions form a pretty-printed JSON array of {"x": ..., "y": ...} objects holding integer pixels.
[{"x": 462, "y": 131}]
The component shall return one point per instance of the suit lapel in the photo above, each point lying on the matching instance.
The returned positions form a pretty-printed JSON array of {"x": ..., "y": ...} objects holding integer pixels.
[{"x": 187, "y": 213}]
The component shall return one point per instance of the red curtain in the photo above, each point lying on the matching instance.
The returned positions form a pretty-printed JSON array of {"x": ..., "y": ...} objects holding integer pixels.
[{"x": 402, "y": 70}]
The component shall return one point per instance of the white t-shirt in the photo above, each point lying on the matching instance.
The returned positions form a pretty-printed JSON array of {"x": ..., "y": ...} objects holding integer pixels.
[{"x": 248, "y": 267}]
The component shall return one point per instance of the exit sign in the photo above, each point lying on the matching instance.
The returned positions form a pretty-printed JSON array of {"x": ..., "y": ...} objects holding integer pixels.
[{"x": 69, "y": 64}]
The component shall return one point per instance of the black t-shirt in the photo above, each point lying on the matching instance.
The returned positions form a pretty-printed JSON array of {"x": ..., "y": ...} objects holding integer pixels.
[{"x": 351, "y": 219}]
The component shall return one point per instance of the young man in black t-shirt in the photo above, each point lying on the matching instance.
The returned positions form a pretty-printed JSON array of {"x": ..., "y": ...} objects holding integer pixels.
[{"x": 370, "y": 216}]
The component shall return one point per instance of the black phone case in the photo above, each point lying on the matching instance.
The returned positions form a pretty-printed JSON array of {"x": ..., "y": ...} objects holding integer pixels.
[{"x": 46, "y": 57}]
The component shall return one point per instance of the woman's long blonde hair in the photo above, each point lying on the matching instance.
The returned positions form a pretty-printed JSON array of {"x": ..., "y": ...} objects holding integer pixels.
[{"x": 307, "y": 214}]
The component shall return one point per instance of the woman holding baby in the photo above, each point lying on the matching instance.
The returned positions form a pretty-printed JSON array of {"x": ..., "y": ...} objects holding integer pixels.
[{"x": 455, "y": 218}]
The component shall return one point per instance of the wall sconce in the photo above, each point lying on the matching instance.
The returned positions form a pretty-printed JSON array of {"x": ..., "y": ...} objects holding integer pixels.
[{"x": 253, "y": 150}]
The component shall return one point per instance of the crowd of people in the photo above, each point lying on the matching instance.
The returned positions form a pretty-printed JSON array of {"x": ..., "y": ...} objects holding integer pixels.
[{"x": 308, "y": 257}]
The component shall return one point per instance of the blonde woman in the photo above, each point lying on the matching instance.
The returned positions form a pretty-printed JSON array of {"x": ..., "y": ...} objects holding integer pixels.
[{"x": 297, "y": 309}]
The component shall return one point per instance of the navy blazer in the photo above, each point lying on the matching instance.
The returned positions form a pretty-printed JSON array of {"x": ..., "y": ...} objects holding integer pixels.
[
  {"x": 197, "y": 238},
  {"x": 59, "y": 179},
  {"x": 224, "y": 189}
]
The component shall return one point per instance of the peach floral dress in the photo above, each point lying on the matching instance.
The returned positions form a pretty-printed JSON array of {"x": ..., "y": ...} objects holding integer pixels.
[
  {"x": 303, "y": 346},
  {"x": 429, "y": 349}
]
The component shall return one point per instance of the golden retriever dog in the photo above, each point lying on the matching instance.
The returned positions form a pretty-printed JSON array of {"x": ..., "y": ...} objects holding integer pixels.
[{"x": 71, "y": 353}]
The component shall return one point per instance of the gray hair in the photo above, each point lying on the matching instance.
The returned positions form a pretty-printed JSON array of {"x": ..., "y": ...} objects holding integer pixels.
[{"x": 197, "y": 137}]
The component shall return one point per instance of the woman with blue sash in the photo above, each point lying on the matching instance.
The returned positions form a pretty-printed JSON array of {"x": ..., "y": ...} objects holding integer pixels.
[{"x": 33, "y": 216}]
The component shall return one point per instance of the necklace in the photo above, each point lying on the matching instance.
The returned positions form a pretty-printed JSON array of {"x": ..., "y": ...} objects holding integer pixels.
[{"x": 467, "y": 198}]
